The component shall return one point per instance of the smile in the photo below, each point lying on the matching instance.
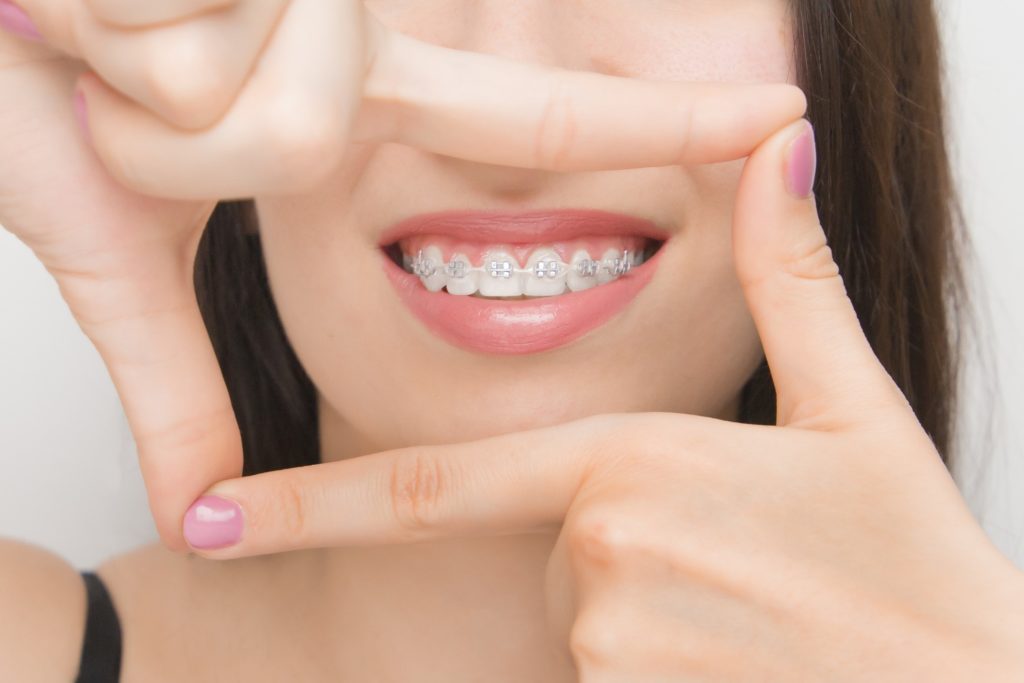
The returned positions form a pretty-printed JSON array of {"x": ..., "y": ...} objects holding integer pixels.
[{"x": 519, "y": 283}]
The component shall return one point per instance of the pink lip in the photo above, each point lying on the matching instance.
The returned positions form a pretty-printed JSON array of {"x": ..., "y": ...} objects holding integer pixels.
[
  {"x": 522, "y": 227},
  {"x": 514, "y": 327}
]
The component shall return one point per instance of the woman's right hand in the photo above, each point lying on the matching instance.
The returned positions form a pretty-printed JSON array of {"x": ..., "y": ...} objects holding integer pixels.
[
  {"x": 202, "y": 100},
  {"x": 122, "y": 262}
]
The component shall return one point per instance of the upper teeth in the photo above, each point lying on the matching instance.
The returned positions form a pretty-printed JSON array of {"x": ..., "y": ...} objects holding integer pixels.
[{"x": 545, "y": 273}]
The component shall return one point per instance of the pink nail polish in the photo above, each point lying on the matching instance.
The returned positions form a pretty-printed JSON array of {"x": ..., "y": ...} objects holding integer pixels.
[
  {"x": 801, "y": 164},
  {"x": 14, "y": 19},
  {"x": 213, "y": 522},
  {"x": 81, "y": 112}
]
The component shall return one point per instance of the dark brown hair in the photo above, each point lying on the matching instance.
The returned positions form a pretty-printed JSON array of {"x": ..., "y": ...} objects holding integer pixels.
[{"x": 872, "y": 71}]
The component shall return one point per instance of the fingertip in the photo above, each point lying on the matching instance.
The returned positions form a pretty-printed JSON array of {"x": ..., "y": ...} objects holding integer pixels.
[
  {"x": 775, "y": 215},
  {"x": 16, "y": 21},
  {"x": 785, "y": 97},
  {"x": 213, "y": 522},
  {"x": 800, "y": 161},
  {"x": 171, "y": 539},
  {"x": 799, "y": 99}
]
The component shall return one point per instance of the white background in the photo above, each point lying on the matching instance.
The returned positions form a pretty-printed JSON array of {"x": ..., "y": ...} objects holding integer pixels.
[{"x": 69, "y": 480}]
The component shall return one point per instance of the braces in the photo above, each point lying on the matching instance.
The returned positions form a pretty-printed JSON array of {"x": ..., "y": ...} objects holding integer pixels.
[{"x": 551, "y": 269}]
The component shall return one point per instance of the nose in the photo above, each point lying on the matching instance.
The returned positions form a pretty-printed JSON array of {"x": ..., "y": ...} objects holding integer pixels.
[
  {"x": 544, "y": 32},
  {"x": 535, "y": 31}
]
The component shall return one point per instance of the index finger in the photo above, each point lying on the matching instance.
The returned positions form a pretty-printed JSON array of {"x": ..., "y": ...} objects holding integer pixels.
[
  {"x": 403, "y": 495},
  {"x": 491, "y": 109},
  {"x": 520, "y": 482},
  {"x": 291, "y": 123}
]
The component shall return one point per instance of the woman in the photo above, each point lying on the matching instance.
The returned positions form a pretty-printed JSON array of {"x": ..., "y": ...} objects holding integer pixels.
[{"x": 600, "y": 481}]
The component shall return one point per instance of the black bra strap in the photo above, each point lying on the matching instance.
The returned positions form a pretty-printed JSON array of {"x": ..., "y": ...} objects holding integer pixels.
[{"x": 101, "y": 647}]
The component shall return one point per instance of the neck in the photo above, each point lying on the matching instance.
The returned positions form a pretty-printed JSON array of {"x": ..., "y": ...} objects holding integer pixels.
[{"x": 481, "y": 595}]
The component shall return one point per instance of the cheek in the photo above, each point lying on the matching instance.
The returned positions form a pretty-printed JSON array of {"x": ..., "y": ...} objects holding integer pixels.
[
  {"x": 710, "y": 335},
  {"x": 687, "y": 344},
  {"x": 745, "y": 40},
  {"x": 319, "y": 269}
]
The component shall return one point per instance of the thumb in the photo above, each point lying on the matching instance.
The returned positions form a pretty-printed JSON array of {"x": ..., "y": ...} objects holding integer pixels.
[
  {"x": 826, "y": 374},
  {"x": 140, "y": 311}
]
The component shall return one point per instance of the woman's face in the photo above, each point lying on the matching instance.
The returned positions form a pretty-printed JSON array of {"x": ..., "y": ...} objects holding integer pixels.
[{"x": 684, "y": 343}]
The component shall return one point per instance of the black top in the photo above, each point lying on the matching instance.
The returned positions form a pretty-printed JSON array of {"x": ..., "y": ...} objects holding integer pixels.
[{"x": 101, "y": 647}]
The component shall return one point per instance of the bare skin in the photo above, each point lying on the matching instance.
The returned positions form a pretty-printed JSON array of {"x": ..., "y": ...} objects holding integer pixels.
[
  {"x": 458, "y": 607},
  {"x": 205, "y": 608},
  {"x": 382, "y": 613}
]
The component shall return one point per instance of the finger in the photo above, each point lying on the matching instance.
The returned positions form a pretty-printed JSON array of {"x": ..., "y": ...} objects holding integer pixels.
[
  {"x": 515, "y": 483},
  {"x": 495, "y": 110},
  {"x": 128, "y": 13},
  {"x": 287, "y": 128},
  {"x": 824, "y": 369},
  {"x": 188, "y": 72},
  {"x": 291, "y": 124},
  {"x": 154, "y": 343},
  {"x": 124, "y": 266}
]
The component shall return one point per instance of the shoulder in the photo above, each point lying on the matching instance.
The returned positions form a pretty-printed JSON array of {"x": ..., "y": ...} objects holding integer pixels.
[
  {"x": 181, "y": 613},
  {"x": 42, "y": 614}
]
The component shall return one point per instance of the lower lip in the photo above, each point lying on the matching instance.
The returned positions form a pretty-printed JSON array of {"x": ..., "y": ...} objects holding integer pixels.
[{"x": 518, "y": 327}]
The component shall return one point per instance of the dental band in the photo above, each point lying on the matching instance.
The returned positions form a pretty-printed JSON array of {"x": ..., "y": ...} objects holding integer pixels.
[{"x": 551, "y": 269}]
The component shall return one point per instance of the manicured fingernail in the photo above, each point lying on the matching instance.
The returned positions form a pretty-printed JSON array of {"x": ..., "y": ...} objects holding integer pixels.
[
  {"x": 213, "y": 522},
  {"x": 802, "y": 164},
  {"x": 14, "y": 19},
  {"x": 81, "y": 112}
]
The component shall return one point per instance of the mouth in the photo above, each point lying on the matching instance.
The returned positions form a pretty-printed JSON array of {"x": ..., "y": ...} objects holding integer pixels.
[{"x": 518, "y": 283}]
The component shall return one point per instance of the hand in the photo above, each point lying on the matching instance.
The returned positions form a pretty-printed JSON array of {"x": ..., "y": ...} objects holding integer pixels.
[
  {"x": 122, "y": 261},
  {"x": 833, "y": 546},
  {"x": 200, "y": 100}
]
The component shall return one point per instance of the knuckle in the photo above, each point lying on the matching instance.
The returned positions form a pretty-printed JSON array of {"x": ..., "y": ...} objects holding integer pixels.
[
  {"x": 295, "y": 509},
  {"x": 812, "y": 260},
  {"x": 557, "y": 129},
  {"x": 419, "y": 486},
  {"x": 593, "y": 640},
  {"x": 285, "y": 507},
  {"x": 122, "y": 160},
  {"x": 306, "y": 137},
  {"x": 167, "y": 443},
  {"x": 186, "y": 76},
  {"x": 684, "y": 137},
  {"x": 662, "y": 442},
  {"x": 598, "y": 538}
]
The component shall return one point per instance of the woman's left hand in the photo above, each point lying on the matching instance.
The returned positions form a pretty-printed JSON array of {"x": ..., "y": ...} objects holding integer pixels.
[{"x": 834, "y": 546}]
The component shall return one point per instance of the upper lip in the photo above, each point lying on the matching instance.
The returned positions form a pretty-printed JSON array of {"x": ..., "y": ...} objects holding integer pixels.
[{"x": 522, "y": 227}]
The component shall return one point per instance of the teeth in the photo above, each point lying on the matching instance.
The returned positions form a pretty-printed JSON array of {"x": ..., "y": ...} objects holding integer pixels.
[
  {"x": 500, "y": 275},
  {"x": 547, "y": 274},
  {"x": 461, "y": 279},
  {"x": 605, "y": 273},
  {"x": 578, "y": 280},
  {"x": 431, "y": 268}
]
